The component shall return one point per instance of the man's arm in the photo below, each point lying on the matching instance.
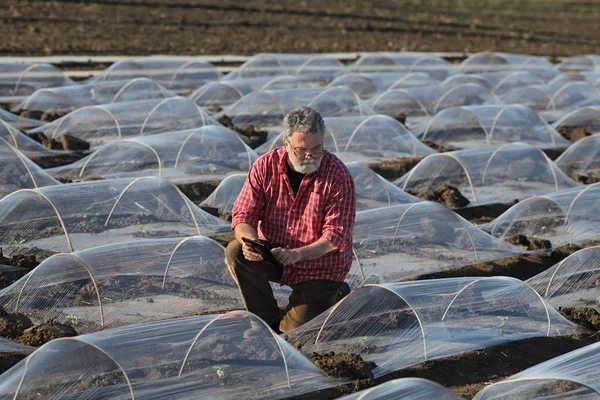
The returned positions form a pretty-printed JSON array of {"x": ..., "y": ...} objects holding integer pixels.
[
  {"x": 313, "y": 251},
  {"x": 246, "y": 230}
]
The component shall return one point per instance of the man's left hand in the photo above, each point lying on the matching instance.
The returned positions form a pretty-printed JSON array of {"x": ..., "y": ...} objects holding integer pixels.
[{"x": 286, "y": 256}]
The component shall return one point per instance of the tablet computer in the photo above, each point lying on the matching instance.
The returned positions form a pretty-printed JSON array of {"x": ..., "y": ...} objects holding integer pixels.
[{"x": 262, "y": 248}]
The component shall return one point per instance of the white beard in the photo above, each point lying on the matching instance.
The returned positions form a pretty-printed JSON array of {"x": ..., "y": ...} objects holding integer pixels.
[{"x": 306, "y": 166}]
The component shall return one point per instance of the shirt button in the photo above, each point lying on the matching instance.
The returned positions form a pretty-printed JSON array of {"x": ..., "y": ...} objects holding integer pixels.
[{"x": 290, "y": 228}]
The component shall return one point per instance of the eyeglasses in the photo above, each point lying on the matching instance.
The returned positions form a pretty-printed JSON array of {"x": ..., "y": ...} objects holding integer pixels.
[{"x": 302, "y": 153}]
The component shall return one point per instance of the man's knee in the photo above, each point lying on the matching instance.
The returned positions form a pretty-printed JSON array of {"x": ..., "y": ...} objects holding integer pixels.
[{"x": 233, "y": 252}]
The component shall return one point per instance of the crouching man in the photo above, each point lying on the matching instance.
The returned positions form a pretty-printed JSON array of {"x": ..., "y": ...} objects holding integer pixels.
[{"x": 298, "y": 199}]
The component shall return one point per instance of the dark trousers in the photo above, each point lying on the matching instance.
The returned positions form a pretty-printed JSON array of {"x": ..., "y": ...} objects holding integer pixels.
[{"x": 308, "y": 299}]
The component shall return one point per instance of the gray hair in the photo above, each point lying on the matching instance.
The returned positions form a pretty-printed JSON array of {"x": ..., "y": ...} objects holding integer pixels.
[{"x": 305, "y": 120}]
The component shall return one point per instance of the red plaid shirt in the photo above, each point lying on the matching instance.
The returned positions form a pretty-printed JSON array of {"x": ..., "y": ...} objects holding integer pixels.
[{"x": 324, "y": 207}]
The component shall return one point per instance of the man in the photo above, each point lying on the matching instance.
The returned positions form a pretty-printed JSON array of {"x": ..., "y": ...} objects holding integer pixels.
[{"x": 301, "y": 199}]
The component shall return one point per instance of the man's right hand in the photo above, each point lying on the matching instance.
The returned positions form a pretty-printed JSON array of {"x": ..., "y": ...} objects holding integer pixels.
[{"x": 249, "y": 254}]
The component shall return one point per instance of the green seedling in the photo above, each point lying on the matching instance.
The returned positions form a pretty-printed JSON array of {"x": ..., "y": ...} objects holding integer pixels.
[
  {"x": 598, "y": 300},
  {"x": 439, "y": 252},
  {"x": 220, "y": 370},
  {"x": 17, "y": 244},
  {"x": 144, "y": 228},
  {"x": 73, "y": 318},
  {"x": 503, "y": 320},
  {"x": 363, "y": 341}
]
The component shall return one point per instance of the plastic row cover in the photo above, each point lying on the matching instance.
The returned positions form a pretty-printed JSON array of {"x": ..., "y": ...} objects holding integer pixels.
[
  {"x": 492, "y": 174},
  {"x": 398, "y": 242},
  {"x": 315, "y": 66},
  {"x": 103, "y": 123},
  {"x": 192, "y": 155},
  {"x": 69, "y": 98},
  {"x": 568, "y": 216},
  {"x": 126, "y": 283},
  {"x": 266, "y": 109},
  {"x": 435, "y": 67},
  {"x": 18, "y": 122},
  {"x": 572, "y": 375},
  {"x": 477, "y": 126},
  {"x": 397, "y": 325},
  {"x": 482, "y": 62},
  {"x": 583, "y": 157},
  {"x": 573, "y": 282},
  {"x": 65, "y": 218},
  {"x": 19, "y": 172},
  {"x": 370, "y": 84},
  {"x": 580, "y": 63},
  {"x": 220, "y": 94},
  {"x": 22, "y": 79},
  {"x": 405, "y": 389},
  {"x": 503, "y": 81},
  {"x": 176, "y": 75},
  {"x": 587, "y": 118},
  {"x": 229, "y": 356},
  {"x": 364, "y": 139}
]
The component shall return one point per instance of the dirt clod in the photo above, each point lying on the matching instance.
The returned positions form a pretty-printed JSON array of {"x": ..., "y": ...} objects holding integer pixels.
[
  {"x": 585, "y": 316},
  {"x": 529, "y": 242},
  {"x": 445, "y": 194},
  {"x": 440, "y": 148},
  {"x": 13, "y": 325},
  {"x": 45, "y": 332},
  {"x": 255, "y": 135},
  {"x": 573, "y": 133},
  {"x": 343, "y": 365},
  {"x": 65, "y": 142}
]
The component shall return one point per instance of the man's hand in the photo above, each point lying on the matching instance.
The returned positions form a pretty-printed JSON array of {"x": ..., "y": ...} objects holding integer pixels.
[
  {"x": 286, "y": 257},
  {"x": 250, "y": 254}
]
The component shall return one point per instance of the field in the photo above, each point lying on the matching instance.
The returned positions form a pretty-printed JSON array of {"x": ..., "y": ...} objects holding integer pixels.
[{"x": 141, "y": 27}]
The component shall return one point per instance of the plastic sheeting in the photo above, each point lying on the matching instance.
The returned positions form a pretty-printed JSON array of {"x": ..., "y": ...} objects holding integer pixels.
[
  {"x": 436, "y": 67},
  {"x": 573, "y": 282},
  {"x": 476, "y": 126},
  {"x": 364, "y": 139},
  {"x": 69, "y": 98},
  {"x": 405, "y": 389},
  {"x": 504, "y": 81},
  {"x": 104, "y": 123},
  {"x": 397, "y": 325},
  {"x": 266, "y": 109},
  {"x": 22, "y": 142},
  {"x": 568, "y": 216},
  {"x": 21, "y": 79},
  {"x": 490, "y": 62},
  {"x": 489, "y": 174},
  {"x": 229, "y": 356},
  {"x": 18, "y": 122},
  {"x": 177, "y": 75},
  {"x": 370, "y": 84},
  {"x": 588, "y": 62},
  {"x": 194, "y": 155},
  {"x": 19, "y": 172},
  {"x": 220, "y": 94},
  {"x": 66, "y": 218},
  {"x": 403, "y": 241},
  {"x": 126, "y": 283},
  {"x": 572, "y": 375},
  {"x": 582, "y": 157},
  {"x": 314, "y": 66},
  {"x": 587, "y": 118},
  {"x": 224, "y": 195},
  {"x": 8, "y": 346}
]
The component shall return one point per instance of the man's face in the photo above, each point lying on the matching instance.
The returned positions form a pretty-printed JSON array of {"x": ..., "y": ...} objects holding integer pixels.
[{"x": 305, "y": 152}]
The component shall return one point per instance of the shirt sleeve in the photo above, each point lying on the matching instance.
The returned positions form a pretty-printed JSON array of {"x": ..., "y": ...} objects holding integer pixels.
[
  {"x": 249, "y": 207},
  {"x": 340, "y": 211}
]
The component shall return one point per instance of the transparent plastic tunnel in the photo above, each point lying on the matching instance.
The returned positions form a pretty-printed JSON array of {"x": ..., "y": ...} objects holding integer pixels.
[
  {"x": 68, "y": 98},
  {"x": 17, "y": 121},
  {"x": 19, "y": 172},
  {"x": 436, "y": 67},
  {"x": 582, "y": 157},
  {"x": 573, "y": 282},
  {"x": 108, "y": 122},
  {"x": 571, "y": 375},
  {"x": 397, "y": 325},
  {"x": 126, "y": 283},
  {"x": 66, "y": 218},
  {"x": 477, "y": 126},
  {"x": 590, "y": 62},
  {"x": 194, "y": 155},
  {"x": 22, "y": 142},
  {"x": 181, "y": 76},
  {"x": 403, "y": 241},
  {"x": 420, "y": 103},
  {"x": 566, "y": 217},
  {"x": 21, "y": 79},
  {"x": 369, "y": 139},
  {"x": 491, "y": 62},
  {"x": 485, "y": 175},
  {"x": 215, "y": 96},
  {"x": 265, "y": 110},
  {"x": 586, "y": 120},
  {"x": 370, "y": 84},
  {"x": 503, "y": 81},
  {"x": 405, "y": 389},
  {"x": 229, "y": 356},
  {"x": 554, "y": 101},
  {"x": 312, "y": 66}
]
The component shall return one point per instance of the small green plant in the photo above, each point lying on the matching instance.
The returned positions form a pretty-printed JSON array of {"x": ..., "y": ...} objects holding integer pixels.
[
  {"x": 73, "y": 318},
  {"x": 363, "y": 341},
  {"x": 439, "y": 252},
  {"x": 17, "y": 244},
  {"x": 522, "y": 181},
  {"x": 144, "y": 228},
  {"x": 220, "y": 369},
  {"x": 598, "y": 300},
  {"x": 503, "y": 320}
]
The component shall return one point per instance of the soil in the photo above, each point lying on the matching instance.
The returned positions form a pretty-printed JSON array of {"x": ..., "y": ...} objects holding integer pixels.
[
  {"x": 255, "y": 136},
  {"x": 586, "y": 179},
  {"x": 395, "y": 168},
  {"x": 45, "y": 332},
  {"x": 47, "y": 116},
  {"x": 484, "y": 213},
  {"x": 553, "y": 154},
  {"x": 24, "y": 262},
  {"x": 198, "y": 191},
  {"x": 573, "y": 133},
  {"x": 440, "y": 148},
  {"x": 529, "y": 242},
  {"x": 65, "y": 142},
  {"x": 58, "y": 160},
  {"x": 215, "y": 211},
  {"x": 8, "y": 359},
  {"x": 585, "y": 316},
  {"x": 444, "y": 194},
  {"x": 343, "y": 365}
]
